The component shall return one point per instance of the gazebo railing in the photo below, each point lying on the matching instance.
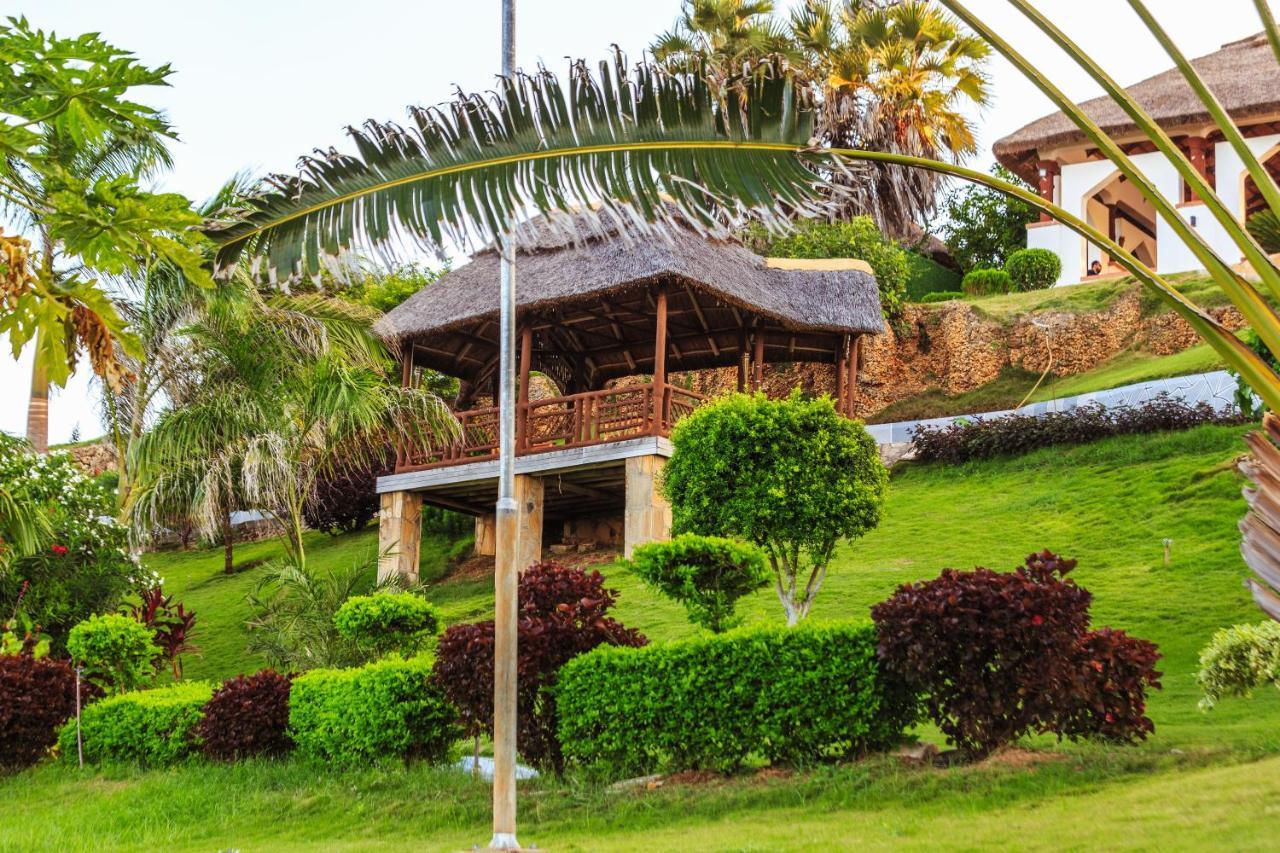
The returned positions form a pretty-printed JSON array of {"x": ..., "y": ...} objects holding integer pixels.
[{"x": 559, "y": 423}]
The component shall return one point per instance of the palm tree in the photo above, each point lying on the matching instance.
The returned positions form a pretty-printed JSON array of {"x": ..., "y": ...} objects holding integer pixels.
[
  {"x": 289, "y": 387},
  {"x": 24, "y": 526}
]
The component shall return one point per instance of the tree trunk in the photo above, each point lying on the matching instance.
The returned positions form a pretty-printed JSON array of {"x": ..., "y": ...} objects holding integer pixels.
[
  {"x": 38, "y": 406},
  {"x": 228, "y": 545}
]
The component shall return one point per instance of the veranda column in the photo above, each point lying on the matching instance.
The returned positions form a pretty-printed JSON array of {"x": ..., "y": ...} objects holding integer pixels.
[
  {"x": 851, "y": 375},
  {"x": 742, "y": 361},
  {"x": 1049, "y": 171},
  {"x": 399, "y": 535},
  {"x": 529, "y": 494},
  {"x": 522, "y": 401},
  {"x": 1197, "y": 148},
  {"x": 757, "y": 365},
  {"x": 841, "y": 362},
  {"x": 660, "y": 365}
]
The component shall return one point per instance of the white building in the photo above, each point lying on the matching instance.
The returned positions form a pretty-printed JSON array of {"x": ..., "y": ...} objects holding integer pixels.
[{"x": 1052, "y": 154}]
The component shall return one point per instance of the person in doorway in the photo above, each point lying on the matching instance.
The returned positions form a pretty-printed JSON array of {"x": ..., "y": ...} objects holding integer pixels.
[{"x": 1095, "y": 268}]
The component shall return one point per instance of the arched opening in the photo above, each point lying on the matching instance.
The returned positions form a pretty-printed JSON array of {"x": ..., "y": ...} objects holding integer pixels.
[
  {"x": 1118, "y": 209},
  {"x": 1251, "y": 200}
]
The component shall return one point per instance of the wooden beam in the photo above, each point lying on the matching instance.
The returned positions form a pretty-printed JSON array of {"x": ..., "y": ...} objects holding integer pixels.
[
  {"x": 660, "y": 363},
  {"x": 757, "y": 358}
]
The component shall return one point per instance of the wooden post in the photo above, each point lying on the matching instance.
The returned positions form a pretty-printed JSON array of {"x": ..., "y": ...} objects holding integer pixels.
[
  {"x": 1049, "y": 170},
  {"x": 742, "y": 361},
  {"x": 851, "y": 394},
  {"x": 842, "y": 362},
  {"x": 757, "y": 358},
  {"x": 406, "y": 366},
  {"x": 660, "y": 364},
  {"x": 522, "y": 399}
]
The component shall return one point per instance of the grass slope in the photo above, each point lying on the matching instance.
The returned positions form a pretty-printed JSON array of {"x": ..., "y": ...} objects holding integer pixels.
[{"x": 1202, "y": 778}]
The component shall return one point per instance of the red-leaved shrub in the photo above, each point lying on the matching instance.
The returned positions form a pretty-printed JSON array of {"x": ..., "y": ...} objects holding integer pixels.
[
  {"x": 999, "y": 654},
  {"x": 563, "y": 613},
  {"x": 37, "y": 695},
  {"x": 247, "y": 716},
  {"x": 345, "y": 499},
  {"x": 173, "y": 625}
]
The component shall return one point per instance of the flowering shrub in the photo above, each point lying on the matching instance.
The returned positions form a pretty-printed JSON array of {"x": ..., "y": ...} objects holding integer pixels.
[
  {"x": 1013, "y": 434},
  {"x": 563, "y": 613},
  {"x": 88, "y": 568},
  {"x": 999, "y": 654},
  {"x": 247, "y": 716}
]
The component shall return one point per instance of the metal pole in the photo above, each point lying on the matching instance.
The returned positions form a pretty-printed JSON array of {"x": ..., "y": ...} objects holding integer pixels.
[{"x": 506, "y": 572}]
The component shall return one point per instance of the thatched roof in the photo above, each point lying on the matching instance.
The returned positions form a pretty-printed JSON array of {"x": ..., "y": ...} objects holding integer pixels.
[
  {"x": 1243, "y": 75},
  {"x": 591, "y": 302}
]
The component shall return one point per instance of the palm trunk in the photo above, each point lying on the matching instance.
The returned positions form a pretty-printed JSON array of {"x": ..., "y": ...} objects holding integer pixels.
[
  {"x": 38, "y": 406},
  {"x": 228, "y": 545}
]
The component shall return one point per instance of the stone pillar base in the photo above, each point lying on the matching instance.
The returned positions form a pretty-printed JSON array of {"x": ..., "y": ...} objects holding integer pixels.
[
  {"x": 648, "y": 515},
  {"x": 399, "y": 535},
  {"x": 529, "y": 525},
  {"x": 486, "y": 535}
]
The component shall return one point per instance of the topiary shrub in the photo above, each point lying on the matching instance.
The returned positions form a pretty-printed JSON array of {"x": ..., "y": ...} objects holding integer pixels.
[
  {"x": 705, "y": 574},
  {"x": 563, "y": 613},
  {"x": 999, "y": 654},
  {"x": 791, "y": 476},
  {"x": 1239, "y": 660},
  {"x": 387, "y": 709},
  {"x": 1033, "y": 269},
  {"x": 789, "y": 695},
  {"x": 37, "y": 695},
  {"x": 926, "y": 276},
  {"x": 150, "y": 727},
  {"x": 387, "y": 622},
  {"x": 986, "y": 282},
  {"x": 940, "y": 296},
  {"x": 117, "y": 652},
  {"x": 247, "y": 716}
]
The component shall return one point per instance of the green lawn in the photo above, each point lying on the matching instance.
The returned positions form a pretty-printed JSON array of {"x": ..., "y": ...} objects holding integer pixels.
[{"x": 1202, "y": 779}]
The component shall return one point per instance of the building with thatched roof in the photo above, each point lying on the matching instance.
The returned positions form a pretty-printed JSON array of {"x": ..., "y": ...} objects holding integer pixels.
[
  {"x": 1052, "y": 154},
  {"x": 604, "y": 317}
]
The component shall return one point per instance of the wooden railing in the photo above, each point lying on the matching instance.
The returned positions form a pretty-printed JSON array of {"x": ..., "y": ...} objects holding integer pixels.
[{"x": 558, "y": 423}]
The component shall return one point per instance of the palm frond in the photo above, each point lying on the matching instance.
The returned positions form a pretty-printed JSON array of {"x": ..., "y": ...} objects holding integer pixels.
[{"x": 628, "y": 143}]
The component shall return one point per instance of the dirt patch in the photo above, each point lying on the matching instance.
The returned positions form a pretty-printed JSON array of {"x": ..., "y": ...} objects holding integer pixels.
[
  {"x": 693, "y": 777},
  {"x": 771, "y": 774},
  {"x": 1018, "y": 758},
  {"x": 475, "y": 567}
]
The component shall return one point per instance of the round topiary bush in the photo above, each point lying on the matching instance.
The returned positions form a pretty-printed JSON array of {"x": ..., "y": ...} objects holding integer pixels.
[
  {"x": 1033, "y": 269},
  {"x": 387, "y": 622},
  {"x": 705, "y": 574},
  {"x": 247, "y": 716},
  {"x": 986, "y": 282},
  {"x": 118, "y": 653}
]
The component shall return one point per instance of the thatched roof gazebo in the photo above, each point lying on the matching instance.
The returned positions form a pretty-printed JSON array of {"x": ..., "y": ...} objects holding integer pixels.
[{"x": 605, "y": 317}]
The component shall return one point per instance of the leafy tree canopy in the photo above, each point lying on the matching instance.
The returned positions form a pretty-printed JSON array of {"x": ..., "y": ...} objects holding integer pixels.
[{"x": 984, "y": 227}]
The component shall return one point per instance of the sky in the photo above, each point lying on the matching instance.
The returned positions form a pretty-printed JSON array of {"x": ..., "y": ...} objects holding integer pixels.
[{"x": 259, "y": 82}]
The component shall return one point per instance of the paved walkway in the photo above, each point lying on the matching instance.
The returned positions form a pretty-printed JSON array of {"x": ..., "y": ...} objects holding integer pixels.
[{"x": 1216, "y": 388}]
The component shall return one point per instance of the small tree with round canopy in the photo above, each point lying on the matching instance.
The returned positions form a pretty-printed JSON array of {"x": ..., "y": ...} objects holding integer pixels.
[{"x": 793, "y": 476}]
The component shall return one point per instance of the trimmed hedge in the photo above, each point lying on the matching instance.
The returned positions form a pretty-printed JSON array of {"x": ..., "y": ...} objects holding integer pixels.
[
  {"x": 1033, "y": 269},
  {"x": 926, "y": 276},
  {"x": 940, "y": 296},
  {"x": 986, "y": 282},
  {"x": 789, "y": 695},
  {"x": 151, "y": 727},
  {"x": 388, "y": 708}
]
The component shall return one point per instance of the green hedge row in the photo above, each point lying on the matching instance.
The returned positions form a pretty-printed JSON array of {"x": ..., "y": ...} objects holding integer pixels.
[
  {"x": 788, "y": 695},
  {"x": 153, "y": 727},
  {"x": 343, "y": 716},
  {"x": 365, "y": 714},
  {"x": 925, "y": 276}
]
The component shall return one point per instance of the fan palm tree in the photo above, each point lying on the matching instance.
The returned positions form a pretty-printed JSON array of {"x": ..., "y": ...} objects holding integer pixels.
[
  {"x": 621, "y": 142},
  {"x": 288, "y": 388}
]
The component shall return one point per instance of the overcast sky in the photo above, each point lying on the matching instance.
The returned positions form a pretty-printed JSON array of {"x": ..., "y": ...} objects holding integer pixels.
[{"x": 259, "y": 82}]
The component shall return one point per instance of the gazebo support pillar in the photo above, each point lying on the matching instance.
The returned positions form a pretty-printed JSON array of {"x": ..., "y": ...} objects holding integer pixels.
[
  {"x": 486, "y": 535},
  {"x": 757, "y": 362},
  {"x": 529, "y": 525},
  {"x": 660, "y": 364},
  {"x": 647, "y": 517},
  {"x": 399, "y": 535}
]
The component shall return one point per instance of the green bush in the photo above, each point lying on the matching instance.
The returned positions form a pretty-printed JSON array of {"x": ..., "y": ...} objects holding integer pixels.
[
  {"x": 706, "y": 574},
  {"x": 387, "y": 622},
  {"x": 925, "y": 276},
  {"x": 1033, "y": 269},
  {"x": 1238, "y": 660},
  {"x": 117, "y": 652},
  {"x": 152, "y": 727},
  {"x": 941, "y": 296},
  {"x": 791, "y": 476},
  {"x": 855, "y": 238},
  {"x": 383, "y": 710},
  {"x": 789, "y": 695},
  {"x": 986, "y": 283}
]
